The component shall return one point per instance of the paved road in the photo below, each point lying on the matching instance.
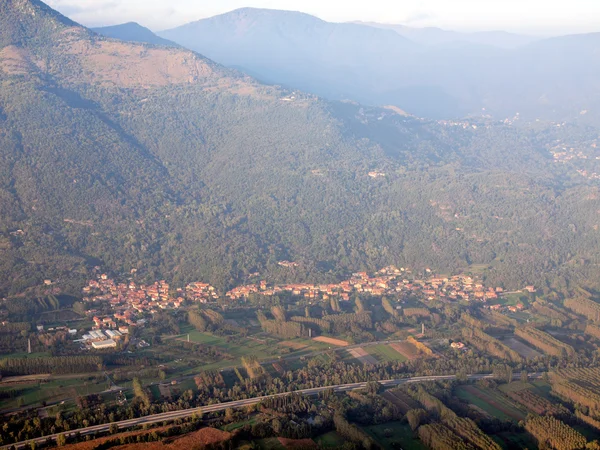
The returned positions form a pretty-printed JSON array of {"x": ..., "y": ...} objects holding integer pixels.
[{"x": 158, "y": 418}]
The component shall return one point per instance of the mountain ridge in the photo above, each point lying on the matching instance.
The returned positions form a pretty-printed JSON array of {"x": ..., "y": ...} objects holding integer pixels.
[
  {"x": 133, "y": 32},
  {"x": 381, "y": 67},
  {"x": 438, "y": 36}
]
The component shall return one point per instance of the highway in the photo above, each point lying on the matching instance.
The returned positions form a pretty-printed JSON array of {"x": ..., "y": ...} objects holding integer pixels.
[{"x": 172, "y": 415}]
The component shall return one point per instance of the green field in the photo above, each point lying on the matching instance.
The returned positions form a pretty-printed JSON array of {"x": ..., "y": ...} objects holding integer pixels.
[
  {"x": 263, "y": 347},
  {"x": 25, "y": 355},
  {"x": 236, "y": 425},
  {"x": 384, "y": 353},
  {"x": 330, "y": 440},
  {"x": 52, "y": 391},
  {"x": 492, "y": 402},
  {"x": 401, "y": 436},
  {"x": 270, "y": 444},
  {"x": 514, "y": 440}
]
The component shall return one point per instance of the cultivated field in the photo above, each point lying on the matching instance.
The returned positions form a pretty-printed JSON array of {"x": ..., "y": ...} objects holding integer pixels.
[
  {"x": 400, "y": 436},
  {"x": 492, "y": 402},
  {"x": 407, "y": 349},
  {"x": 403, "y": 401},
  {"x": 332, "y": 341},
  {"x": 385, "y": 353},
  {"x": 297, "y": 443},
  {"x": 362, "y": 356},
  {"x": 202, "y": 437},
  {"x": 330, "y": 440},
  {"x": 293, "y": 345},
  {"x": 522, "y": 349}
]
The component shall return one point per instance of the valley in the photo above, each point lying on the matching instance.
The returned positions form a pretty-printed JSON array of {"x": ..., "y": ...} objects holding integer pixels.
[{"x": 264, "y": 230}]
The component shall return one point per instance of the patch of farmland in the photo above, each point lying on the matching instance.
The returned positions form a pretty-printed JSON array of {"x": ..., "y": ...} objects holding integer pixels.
[
  {"x": 332, "y": 341},
  {"x": 165, "y": 390},
  {"x": 362, "y": 356},
  {"x": 522, "y": 349},
  {"x": 491, "y": 402},
  {"x": 297, "y": 443},
  {"x": 293, "y": 345},
  {"x": 279, "y": 368},
  {"x": 385, "y": 353},
  {"x": 403, "y": 401},
  {"x": 407, "y": 349}
]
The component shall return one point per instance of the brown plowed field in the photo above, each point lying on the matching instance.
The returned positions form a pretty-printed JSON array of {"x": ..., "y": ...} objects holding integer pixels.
[
  {"x": 332, "y": 341},
  {"x": 204, "y": 436},
  {"x": 297, "y": 443},
  {"x": 406, "y": 349}
]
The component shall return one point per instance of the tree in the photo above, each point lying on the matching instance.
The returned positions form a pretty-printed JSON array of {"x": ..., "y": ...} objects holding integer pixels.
[
  {"x": 61, "y": 440},
  {"x": 229, "y": 415},
  {"x": 416, "y": 417}
]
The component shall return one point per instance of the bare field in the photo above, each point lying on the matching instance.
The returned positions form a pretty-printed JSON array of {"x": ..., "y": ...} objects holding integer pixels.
[
  {"x": 362, "y": 356},
  {"x": 332, "y": 341},
  {"x": 406, "y": 349},
  {"x": 25, "y": 379},
  {"x": 293, "y": 345},
  {"x": 522, "y": 349}
]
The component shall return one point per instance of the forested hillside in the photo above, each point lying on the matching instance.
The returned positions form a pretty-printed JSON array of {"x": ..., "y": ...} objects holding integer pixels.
[{"x": 128, "y": 155}]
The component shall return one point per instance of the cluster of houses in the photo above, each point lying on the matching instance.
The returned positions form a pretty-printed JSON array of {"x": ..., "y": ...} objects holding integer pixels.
[
  {"x": 288, "y": 264},
  {"x": 105, "y": 289},
  {"x": 388, "y": 281},
  {"x": 512, "y": 308},
  {"x": 142, "y": 298},
  {"x": 563, "y": 153},
  {"x": 201, "y": 292},
  {"x": 130, "y": 302}
]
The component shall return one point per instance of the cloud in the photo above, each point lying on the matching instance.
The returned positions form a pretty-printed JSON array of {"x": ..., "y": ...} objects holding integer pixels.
[
  {"x": 455, "y": 14},
  {"x": 418, "y": 17}
]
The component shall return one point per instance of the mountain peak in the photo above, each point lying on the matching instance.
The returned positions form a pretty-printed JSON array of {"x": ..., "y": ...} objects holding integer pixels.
[
  {"x": 133, "y": 32},
  {"x": 22, "y": 20}
]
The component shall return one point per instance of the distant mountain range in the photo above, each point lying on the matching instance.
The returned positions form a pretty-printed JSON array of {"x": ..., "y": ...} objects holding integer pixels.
[
  {"x": 437, "y": 37},
  {"x": 133, "y": 32},
  {"x": 427, "y": 72}
]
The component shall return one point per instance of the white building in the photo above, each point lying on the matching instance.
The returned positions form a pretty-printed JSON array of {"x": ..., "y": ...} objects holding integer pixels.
[{"x": 108, "y": 343}]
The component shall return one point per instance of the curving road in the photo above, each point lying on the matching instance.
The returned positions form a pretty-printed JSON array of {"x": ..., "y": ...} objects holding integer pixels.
[{"x": 172, "y": 415}]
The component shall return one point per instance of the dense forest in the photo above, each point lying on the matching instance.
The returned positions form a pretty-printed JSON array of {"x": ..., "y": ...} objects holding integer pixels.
[{"x": 201, "y": 173}]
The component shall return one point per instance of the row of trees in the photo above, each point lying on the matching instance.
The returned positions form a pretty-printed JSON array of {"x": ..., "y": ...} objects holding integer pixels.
[
  {"x": 54, "y": 364},
  {"x": 550, "y": 431},
  {"x": 584, "y": 305},
  {"x": 352, "y": 433},
  {"x": 287, "y": 330},
  {"x": 488, "y": 344},
  {"x": 544, "y": 341},
  {"x": 439, "y": 437}
]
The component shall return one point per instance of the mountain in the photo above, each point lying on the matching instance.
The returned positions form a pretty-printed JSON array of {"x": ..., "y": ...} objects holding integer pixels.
[
  {"x": 133, "y": 32},
  {"x": 463, "y": 74},
  {"x": 132, "y": 156},
  {"x": 432, "y": 36},
  {"x": 293, "y": 49}
]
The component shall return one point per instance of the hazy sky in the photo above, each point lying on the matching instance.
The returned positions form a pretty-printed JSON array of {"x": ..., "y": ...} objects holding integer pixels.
[{"x": 534, "y": 16}]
